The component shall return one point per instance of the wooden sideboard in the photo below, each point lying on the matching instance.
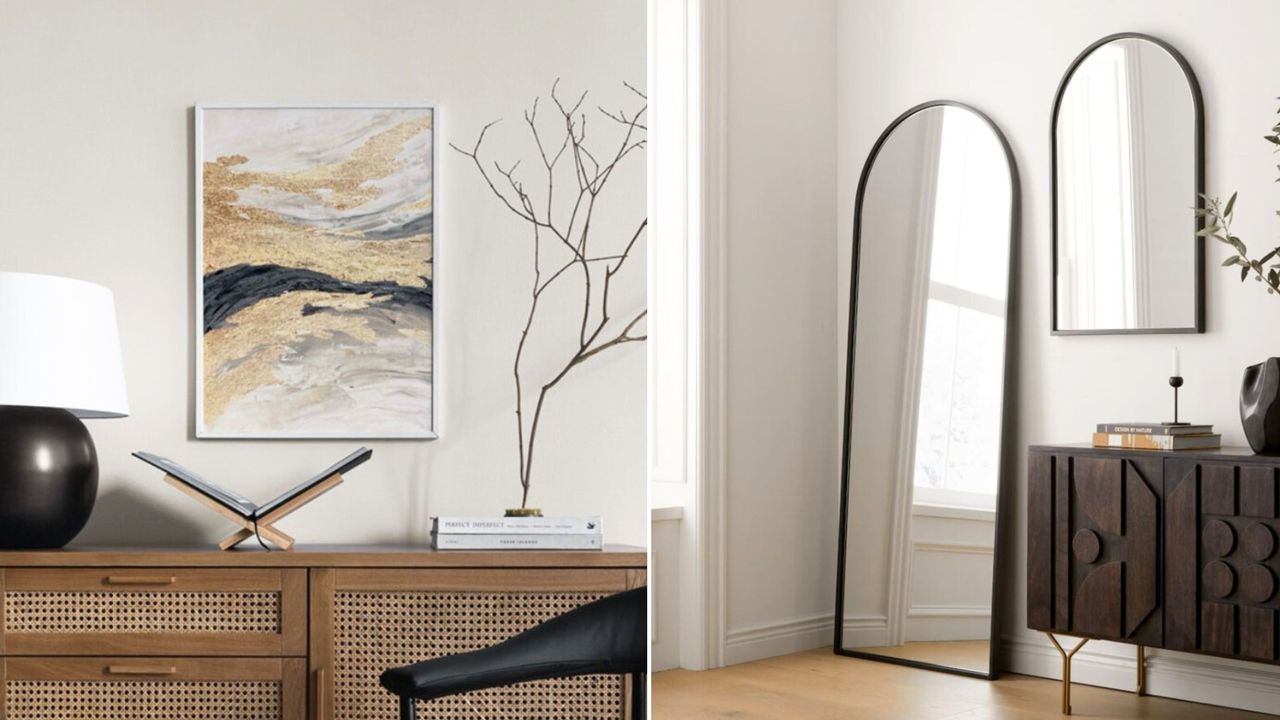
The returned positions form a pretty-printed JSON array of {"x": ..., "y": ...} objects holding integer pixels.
[
  {"x": 194, "y": 634},
  {"x": 1170, "y": 550}
]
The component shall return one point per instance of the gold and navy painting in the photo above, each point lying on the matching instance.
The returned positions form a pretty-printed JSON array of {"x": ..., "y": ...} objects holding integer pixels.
[{"x": 315, "y": 243}]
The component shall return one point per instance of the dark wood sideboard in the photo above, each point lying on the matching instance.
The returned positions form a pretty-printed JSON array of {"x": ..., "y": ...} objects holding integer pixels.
[
  {"x": 201, "y": 633},
  {"x": 1171, "y": 550}
]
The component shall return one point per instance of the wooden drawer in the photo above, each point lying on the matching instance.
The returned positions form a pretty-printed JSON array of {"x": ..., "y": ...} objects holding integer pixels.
[
  {"x": 153, "y": 611},
  {"x": 97, "y": 688}
]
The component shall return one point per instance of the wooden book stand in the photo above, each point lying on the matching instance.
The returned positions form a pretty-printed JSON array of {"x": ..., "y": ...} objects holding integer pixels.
[{"x": 265, "y": 525}]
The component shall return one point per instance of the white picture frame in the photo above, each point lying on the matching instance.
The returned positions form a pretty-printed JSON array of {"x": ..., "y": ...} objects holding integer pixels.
[{"x": 202, "y": 428}]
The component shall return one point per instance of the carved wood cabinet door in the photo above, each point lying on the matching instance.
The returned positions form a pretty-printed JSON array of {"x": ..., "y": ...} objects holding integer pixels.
[
  {"x": 1093, "y": 533},
  {"x": 1221, "y": 559}
]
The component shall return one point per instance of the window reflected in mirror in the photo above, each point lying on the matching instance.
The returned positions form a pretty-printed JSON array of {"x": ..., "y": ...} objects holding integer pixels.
[{"x": 1127, "y": 173}]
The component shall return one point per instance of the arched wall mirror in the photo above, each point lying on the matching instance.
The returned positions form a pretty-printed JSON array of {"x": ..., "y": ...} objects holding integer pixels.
[
  {"x": 1128, "y": 170},
  {"x": 935, "y": 219}
]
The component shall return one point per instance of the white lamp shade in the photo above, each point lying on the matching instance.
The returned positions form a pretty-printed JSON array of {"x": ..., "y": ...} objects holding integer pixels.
[{"x": 60, "y": 346}]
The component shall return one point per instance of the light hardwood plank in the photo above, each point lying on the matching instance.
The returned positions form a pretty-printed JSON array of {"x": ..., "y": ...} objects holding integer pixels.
[{"x": 819, "y": 685}]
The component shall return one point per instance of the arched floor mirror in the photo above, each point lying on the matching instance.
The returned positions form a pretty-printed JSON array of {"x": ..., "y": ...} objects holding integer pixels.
[{"x": 935, "y": 224}]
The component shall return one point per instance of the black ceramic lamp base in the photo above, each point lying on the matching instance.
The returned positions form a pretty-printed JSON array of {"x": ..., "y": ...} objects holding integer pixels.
[{"x": 48, "y": 477}]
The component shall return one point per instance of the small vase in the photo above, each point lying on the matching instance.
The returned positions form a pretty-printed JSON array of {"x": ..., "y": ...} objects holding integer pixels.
[{"x": 1260, "y": 406}]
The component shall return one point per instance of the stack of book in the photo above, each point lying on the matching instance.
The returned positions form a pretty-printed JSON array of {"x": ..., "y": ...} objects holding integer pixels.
[
  {"x": 1156, "y": 436},
  {"x": 516, "y": 533}
]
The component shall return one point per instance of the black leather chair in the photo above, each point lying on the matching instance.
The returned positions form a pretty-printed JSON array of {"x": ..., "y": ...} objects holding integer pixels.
[{"x": 606, "y": 637}]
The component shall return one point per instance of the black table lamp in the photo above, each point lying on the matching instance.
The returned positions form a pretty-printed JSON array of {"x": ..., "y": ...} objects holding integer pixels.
[{"x": 59, "y": 362}]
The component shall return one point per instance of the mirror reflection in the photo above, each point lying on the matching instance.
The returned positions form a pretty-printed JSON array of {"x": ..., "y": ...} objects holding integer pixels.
[
  {"x": 922, "y": 463},
  {"x": 1126, "y": 163}
]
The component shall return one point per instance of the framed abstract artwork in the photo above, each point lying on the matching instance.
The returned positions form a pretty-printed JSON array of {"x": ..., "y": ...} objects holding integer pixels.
[{"x": 316, "y": 267}]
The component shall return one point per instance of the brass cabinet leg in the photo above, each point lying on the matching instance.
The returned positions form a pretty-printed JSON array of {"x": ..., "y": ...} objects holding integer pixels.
[
  {"x": 1142, "y": 670},
  {"x": 1066, "y": 670}
]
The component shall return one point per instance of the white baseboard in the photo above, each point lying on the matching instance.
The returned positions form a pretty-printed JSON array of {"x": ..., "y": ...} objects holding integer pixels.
[
  {"x": 932, "y": 623},
  {"x": 764, "y": 641},
  {"x": 1182, "y": 676},
  {"x": 866, "y": 631}
]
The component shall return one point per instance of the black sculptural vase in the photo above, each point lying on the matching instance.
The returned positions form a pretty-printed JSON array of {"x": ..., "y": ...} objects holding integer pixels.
[
  {"x": 1260, "y": 406},
  {"x": 48, "y": 477}
]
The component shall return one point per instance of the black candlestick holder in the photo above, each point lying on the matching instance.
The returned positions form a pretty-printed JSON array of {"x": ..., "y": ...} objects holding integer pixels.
[{"x": 1175, "y": 382}]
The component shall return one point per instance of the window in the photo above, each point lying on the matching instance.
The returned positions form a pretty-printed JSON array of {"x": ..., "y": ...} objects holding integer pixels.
[{"x": 958, "y": 422}]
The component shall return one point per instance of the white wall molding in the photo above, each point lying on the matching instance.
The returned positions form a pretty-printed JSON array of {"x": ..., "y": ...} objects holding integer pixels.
[
  {"x": 710, "y": 68},
  {"x": 954, "y": 547},
  {"x": 865, "y": 631},
  {"x": 688, "y": 92},
  {"x": 780, "y": 638},
  {"x": 949, "y": 611},
  {"x": 1183, "y": 676}
]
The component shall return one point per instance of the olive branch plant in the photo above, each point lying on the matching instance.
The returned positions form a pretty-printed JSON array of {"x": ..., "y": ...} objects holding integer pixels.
[
  {"x": 566, "y": 239},
  {"x": 1217, "y": 217}
]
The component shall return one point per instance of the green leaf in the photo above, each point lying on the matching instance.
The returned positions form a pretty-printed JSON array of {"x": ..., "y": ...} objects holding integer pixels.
[
  {"x": 1230, "y": 261},
  {"x": 1232, "y": 202},
  {"x": 1244, "y": 273},
  {"x": 1206, "y": 232},
  {"x": 1269, "y": 255},
  {"x": 1273, "y": 277}
]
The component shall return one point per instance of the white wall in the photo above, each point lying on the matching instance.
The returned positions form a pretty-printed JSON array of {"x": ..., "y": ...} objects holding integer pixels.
[
  {"x": 782, "y": 413},
  {"x": 96, "y": 183},
  {"x": 1006, "y": 58}
]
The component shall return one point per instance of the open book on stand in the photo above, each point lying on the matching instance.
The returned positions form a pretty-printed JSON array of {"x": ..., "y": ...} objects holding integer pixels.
[{"x": 254, "y": 519}]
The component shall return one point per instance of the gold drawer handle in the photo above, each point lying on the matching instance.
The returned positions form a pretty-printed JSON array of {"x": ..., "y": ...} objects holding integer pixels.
[
  {"x": 140, "y": 580},
  {"x": 141, "y": 670}
]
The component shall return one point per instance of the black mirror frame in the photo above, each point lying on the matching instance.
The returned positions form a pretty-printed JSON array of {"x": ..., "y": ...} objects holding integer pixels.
[
  {"x": 1197, "y": 202},
  {"x": 1015, "y": 214}
]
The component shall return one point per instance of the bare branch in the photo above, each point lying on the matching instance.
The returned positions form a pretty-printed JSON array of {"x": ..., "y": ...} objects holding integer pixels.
[
  {"x": 573, "y": 228},
  {"x": 622, "y": 338}
]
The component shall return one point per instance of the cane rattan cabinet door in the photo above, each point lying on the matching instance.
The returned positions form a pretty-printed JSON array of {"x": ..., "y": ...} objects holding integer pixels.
[
  {"x": 131, "y": 688},
  {"x": 1093, "y": 545},
  {"x": 153, "y": 611},
  {"x": 366, "y": 621}
]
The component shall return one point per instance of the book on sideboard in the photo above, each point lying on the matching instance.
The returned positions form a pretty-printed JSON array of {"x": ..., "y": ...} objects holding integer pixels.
[
  {"x": 516, "y": 525},
  {"x": 1147, "y": 441},
  {"x": 537, "y": 541},
  {"x": 1153, "y": 429},
  {"x": 239, "y": 504}
]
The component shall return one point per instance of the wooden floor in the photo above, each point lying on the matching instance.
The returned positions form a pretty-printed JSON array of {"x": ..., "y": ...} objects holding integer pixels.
[{"x": 817, "y": 684}]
